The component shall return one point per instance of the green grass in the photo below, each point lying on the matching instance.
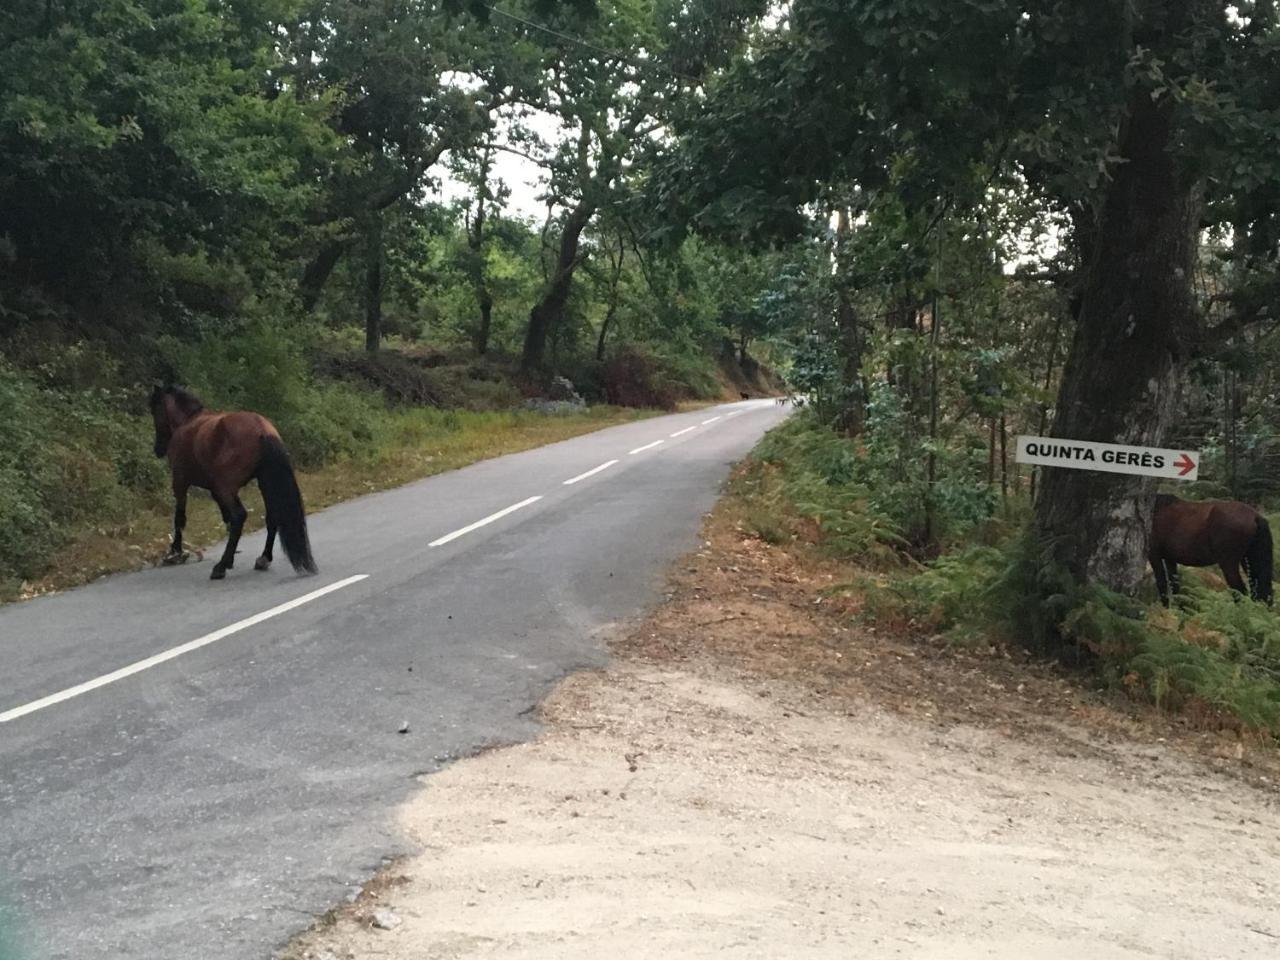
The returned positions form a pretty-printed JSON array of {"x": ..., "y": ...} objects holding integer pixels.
[
  {"x": 82, "y": 495},
  {"x": 1215, "y": 656},
  {"x": 804, "y": 480}
]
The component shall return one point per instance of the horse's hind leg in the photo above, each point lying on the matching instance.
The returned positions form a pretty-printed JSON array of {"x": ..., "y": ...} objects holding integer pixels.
[
  {"x": 264, "y": 561},
  {"x": 1159, "y": 570},
  {"x": 235, "y": 513},
  {"x": 1168, "y": 580},
  {"x": 1231, "y": 571},
  {"x": 179, "y": 521}
]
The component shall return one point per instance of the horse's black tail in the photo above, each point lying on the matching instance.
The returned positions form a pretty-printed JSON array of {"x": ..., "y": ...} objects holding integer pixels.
[
  {"x": 284, "y": 503},
  {"x": 1258, "y": 561}
]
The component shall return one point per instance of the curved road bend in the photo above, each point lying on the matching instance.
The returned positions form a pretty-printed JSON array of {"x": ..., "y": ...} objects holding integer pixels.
[{"x": 192, "y": 769}]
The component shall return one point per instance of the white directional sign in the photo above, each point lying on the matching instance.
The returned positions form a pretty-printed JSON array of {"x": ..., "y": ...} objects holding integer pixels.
[{"x": 1109, "y": 457}]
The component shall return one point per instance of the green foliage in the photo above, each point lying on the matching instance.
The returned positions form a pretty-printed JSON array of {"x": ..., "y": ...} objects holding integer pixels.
[
  {"x": 136, "y": 137},
  {"x": 862, "y": 492},
  {"x": 262, "y": 368},
  {"x": 1215, "y": 652},
  {"x": 66, "y": 459},
  {"x": 814, "y": 474},
  {"x": 634, "y": 378}
]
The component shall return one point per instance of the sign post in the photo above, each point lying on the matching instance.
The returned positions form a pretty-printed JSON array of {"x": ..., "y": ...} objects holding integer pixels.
[{"x": 1109, "y": 457}]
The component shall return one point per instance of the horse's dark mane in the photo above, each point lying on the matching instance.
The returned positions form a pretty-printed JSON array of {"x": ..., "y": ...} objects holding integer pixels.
[
  {"x": 1164, "y": 499},
  {"x": 187, "y": 401}
]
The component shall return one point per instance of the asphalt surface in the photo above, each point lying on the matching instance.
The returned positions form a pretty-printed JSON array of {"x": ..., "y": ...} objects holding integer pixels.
[{"x": 172, "y": 789}]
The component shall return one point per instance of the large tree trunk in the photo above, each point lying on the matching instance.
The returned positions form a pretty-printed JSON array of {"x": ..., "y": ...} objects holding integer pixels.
[
  {"x": 373, "y": 284},
  {"x": 853, "y": 407},
  {"x": 486, "y": 321},
  {"x": 546, "y": 313},
  {"x": 614, "y": 295},
  {"x": 478, "y": 266},
  {"x": 1137, "y": 324},
  {"x": 604, "y": 329},
  {"x": 318, "y": 271}
]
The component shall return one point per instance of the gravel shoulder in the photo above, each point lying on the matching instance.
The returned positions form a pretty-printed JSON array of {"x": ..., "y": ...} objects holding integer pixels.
[{"x": 754, "y": 776}]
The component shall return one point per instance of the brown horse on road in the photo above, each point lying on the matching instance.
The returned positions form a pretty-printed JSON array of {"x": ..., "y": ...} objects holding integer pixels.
[
  {"x": 1207, "y": 532},
  {"x": 221, "y": 452}
]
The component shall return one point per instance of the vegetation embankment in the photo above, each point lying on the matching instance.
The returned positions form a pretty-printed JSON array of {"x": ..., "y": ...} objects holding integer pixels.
[
  {"x": 82, "y": 493},
  {"x": 1213, "y": 657},
  {"x": 239, "y": 198},
  {"x": 940, "y": 218}
]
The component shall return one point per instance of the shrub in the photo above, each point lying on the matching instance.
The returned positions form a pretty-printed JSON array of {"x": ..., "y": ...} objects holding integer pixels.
[
  {"x": 66, "y": 459},
  {"x": 1214, "y": 653},
  {"x": 812, "y": 473},
  {"x": 634, "y": 378}
]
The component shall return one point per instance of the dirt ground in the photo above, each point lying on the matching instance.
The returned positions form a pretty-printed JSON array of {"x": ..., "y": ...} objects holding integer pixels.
[{"x": 756, "y": 776}]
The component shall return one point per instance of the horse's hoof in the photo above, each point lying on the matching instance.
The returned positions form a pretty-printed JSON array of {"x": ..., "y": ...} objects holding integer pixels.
[
  {"x": 262, "y": 563},
  {"x": 173, "y": 559},
  {"x": 219, "y": 572}
]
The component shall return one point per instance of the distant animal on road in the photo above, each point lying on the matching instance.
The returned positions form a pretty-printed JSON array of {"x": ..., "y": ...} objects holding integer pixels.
[
  {"x": 1207, "y": 532},
  {"x": 221, "y": 452},
  {"x": 744, "y": 395}
]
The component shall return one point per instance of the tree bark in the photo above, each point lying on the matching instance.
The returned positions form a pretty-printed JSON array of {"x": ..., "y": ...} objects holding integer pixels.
[
  {"x": 479, "y": 267},
  {"x": 486, "y": 322},
  {"x": 604, "y": 329},
  {"x": 1048, "y": 382},
  {"x": 1136, "y": 326},
  {"x": 853, "y": 407},
  {"x": 546, "y": 313},
  {"x": 1004, "y": 458},
  {"x": 373, "y": 284},
  {"x": 318, "y": 271},
  {"x": 613, "y": 299},
  {"x": 931, "y": 464}
]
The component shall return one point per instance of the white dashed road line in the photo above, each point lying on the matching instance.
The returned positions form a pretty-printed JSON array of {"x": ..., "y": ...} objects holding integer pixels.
[
  {"x": 163, "y": 657},
  {"x": 480, "y": 523},
  {"x": 173, "y": 652},
  {"x": 590, "y": 473}
]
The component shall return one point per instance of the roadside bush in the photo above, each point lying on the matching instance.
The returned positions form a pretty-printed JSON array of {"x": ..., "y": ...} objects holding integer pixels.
[
  {"x": 335, "y": 422},
  {"x": 1214, "y": 654},
  {"x": 412, "y": 379},
  {"x": 634, "y": 378},
  {"x": 692, "y": 376},
  {"x": 66, "y": 459},
  {"x": 804, "y": 469}
]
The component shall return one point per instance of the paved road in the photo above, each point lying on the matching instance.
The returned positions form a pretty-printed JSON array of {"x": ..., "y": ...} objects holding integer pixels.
[{"x": 182, "y": 777}]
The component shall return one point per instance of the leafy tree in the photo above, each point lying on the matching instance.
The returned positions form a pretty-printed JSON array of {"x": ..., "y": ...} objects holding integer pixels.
[
  {"x": 1124, "y": 118},
  {"x": 146, "y": 158}
]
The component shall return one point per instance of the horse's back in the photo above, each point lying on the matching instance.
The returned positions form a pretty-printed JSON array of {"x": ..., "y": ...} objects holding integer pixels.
[
  {"x": 225, "y": 447},
  {"x": 1230, "y": 518},
  {"x": 1199, "y": 533}
]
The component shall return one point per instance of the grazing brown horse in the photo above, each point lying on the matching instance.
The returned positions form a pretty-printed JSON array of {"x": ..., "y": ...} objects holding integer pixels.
[
  {"x": 1203, "y": 533},
  {"x": 221, "y": 452}
]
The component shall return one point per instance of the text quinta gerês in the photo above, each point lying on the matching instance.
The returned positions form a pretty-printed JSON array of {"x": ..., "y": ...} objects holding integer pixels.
[{"x": 1085, "y": 455}]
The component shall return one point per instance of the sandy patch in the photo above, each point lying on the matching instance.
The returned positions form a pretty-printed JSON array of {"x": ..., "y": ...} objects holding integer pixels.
[{"x": 756, "y": 778}]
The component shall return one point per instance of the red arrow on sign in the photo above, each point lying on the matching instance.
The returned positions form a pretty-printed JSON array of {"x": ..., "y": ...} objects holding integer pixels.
[{"x": 1186, "y": 464}]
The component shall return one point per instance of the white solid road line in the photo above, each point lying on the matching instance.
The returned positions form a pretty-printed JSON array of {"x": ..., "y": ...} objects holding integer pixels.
[
  {"x": 647, "y": 446},
  {"x": 480, "y": 523},
  {"x": 177, "y": 651},
  {"x": 590, "y": 473},
  {"x": 685, "y": 430},
  {"x": 712, "y": 420}
]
